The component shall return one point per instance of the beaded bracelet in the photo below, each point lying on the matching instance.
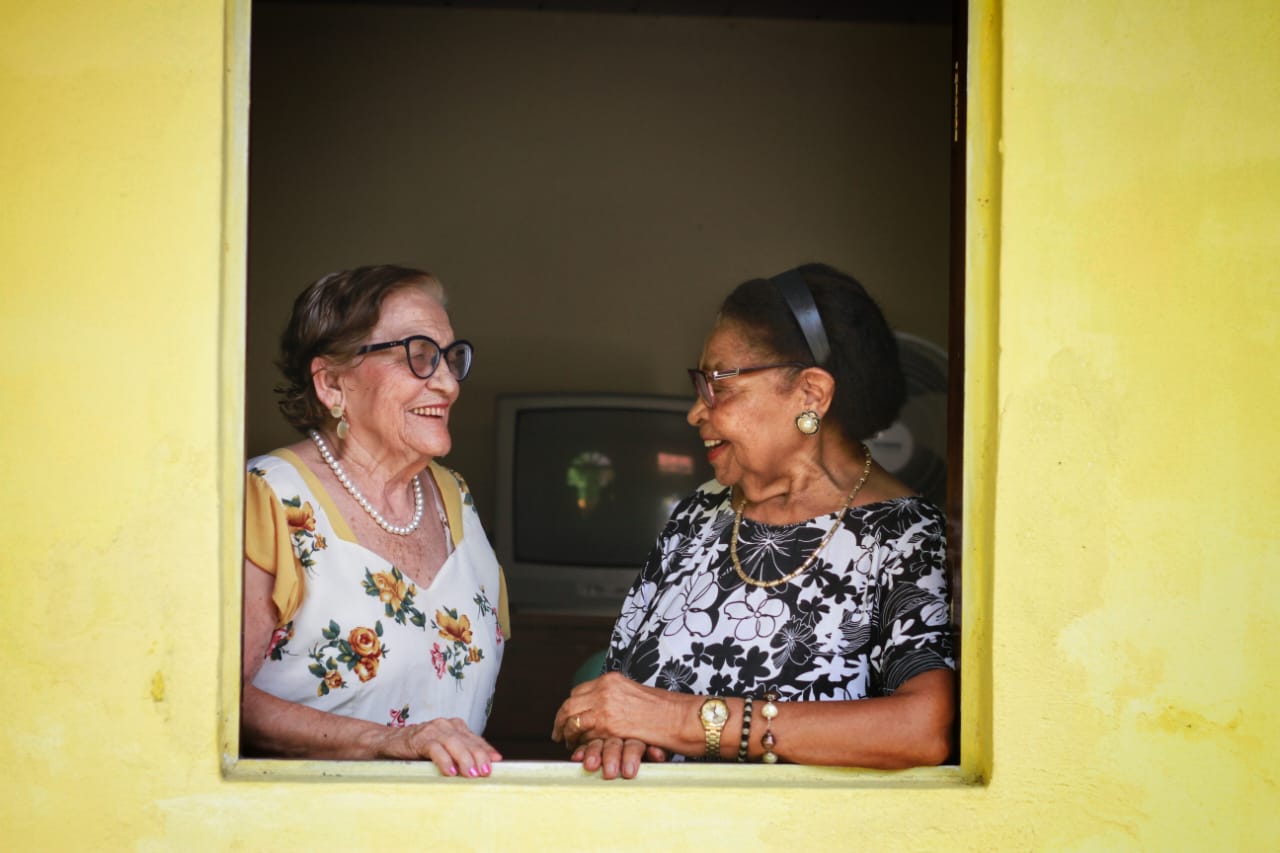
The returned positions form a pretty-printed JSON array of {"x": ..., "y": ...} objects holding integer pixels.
[
  {"x": 746, "y": 729},
  {"x": 767, "y": 740}
]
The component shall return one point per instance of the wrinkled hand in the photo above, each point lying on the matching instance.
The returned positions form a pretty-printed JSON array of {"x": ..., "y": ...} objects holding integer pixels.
[
  {"x": 614, "y": 706},
  {"x": 615, "y": 756},
  {"x": 454, "y": 748}
]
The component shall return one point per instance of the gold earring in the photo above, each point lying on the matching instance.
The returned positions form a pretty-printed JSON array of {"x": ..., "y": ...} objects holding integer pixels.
[
  {"x": 808, "y": 422},
  {"x": 338, "y": 412}
]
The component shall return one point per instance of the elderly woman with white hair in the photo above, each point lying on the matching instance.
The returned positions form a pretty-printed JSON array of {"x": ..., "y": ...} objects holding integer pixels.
[{"x": 374, "y": 608}]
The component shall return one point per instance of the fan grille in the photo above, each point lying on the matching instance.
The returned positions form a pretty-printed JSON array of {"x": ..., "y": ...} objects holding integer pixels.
[{"x": 914, "y": 447}]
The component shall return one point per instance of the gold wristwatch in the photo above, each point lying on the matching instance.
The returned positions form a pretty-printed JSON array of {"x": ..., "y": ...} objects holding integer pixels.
[{"x": 713, "y": 714}]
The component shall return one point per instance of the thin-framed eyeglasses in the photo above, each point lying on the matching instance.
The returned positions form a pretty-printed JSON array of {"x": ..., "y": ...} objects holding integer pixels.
[
  {"x": 424, "y": 355},
  {"x": 702, "y": 379}
]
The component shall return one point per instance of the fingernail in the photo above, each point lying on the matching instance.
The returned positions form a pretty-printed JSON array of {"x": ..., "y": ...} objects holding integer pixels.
[
  {"x": 485, "y": 769},
  {"x": 630, "y": 768},
  {"x": 453, "y": 770},
  {"x": 473, "y": 772}
]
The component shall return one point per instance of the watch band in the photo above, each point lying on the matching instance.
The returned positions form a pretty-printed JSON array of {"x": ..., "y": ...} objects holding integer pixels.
[
  {"x": 713, "y": 742},
  {"x": 713, "y": 714}
]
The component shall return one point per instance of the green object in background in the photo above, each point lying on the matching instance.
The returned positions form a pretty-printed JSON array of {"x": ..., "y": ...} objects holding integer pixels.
[{"x": 590, "y": 668}]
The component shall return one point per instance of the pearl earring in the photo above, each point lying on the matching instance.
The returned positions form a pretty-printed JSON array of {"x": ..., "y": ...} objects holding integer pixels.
[
  {"x": 338, "y": 412},
  {"x": 808, "y": 422}
]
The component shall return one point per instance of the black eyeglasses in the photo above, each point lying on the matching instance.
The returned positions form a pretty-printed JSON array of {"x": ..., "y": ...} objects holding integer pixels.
[
  {"x": 423, "y": 355},
  {"x": 702, "y": 379}
]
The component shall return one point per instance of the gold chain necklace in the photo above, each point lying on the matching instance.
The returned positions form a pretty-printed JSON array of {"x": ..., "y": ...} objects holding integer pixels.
[{"x": 737, "y": 520}]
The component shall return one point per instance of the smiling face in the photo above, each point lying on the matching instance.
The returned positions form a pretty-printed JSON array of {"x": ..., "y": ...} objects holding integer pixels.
[
  {"x": 393, "y": 414},
  {"x": 750, "y": 434}
]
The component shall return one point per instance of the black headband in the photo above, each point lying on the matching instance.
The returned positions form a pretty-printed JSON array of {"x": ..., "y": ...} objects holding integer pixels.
[{"x": 800, "y": 301}]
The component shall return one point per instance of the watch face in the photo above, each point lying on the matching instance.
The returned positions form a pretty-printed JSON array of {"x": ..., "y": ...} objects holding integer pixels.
[{"x": 715, "y": 711}]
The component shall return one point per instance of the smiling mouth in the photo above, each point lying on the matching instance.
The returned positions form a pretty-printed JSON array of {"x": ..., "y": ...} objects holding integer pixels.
[
  {"x": 429, "y": 411},
  {"x": 714, "y": 447}
]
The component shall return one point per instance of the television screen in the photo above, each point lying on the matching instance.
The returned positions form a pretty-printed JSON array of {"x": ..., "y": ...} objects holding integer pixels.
[
  {"x": 593, "y": 487},
  {"x": 585, "y": 484}
]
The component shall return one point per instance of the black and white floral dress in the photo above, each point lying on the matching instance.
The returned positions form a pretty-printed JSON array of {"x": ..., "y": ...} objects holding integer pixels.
[{"x": 870, "y": 613}]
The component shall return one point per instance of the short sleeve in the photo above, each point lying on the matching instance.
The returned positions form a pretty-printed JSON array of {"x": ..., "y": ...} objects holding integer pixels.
[
  {"x": 268, "y": 545},
  {"x": 915, "y": 616}
]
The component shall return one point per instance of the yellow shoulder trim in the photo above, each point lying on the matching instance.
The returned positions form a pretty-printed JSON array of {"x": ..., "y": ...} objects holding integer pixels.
[
  {"x": 504, "y": 611},
  {"x": 447, "y": 486},
  {"x": 336, "y": 520},
  {"x": 450, "y": 485}
]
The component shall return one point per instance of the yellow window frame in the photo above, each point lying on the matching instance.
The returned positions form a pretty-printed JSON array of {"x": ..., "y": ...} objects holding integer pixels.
[{"x": 982, "y": 185}]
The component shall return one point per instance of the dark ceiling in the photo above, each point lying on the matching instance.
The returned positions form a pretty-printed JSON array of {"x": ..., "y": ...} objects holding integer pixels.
[{"x": 884, "y": 11}]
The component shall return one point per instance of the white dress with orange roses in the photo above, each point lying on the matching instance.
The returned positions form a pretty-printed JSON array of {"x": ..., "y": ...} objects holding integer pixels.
[{"x": 365, "y": 641}]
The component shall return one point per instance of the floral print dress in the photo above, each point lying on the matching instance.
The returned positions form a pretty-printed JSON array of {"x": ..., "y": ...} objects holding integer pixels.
[
  {"x": 365, "y": 641},
  {"x": 871, "y": 612}
]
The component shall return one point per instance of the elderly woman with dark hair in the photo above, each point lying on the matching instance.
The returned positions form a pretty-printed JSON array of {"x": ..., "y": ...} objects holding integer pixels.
[
  {"x": 374, "y": 608},
  {"x": 795, "y": 609}
]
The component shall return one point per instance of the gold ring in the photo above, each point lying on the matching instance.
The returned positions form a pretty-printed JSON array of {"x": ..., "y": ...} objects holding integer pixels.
[{"x": 577, "y": 722}]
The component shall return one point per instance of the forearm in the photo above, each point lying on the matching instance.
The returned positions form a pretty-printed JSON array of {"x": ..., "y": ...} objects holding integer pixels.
[
  {"x": 276, "y": 727},
  {"x": 908, "y": 729},
  {"x": 679, "y": 730},
  {"x": 912, "y": 728}
]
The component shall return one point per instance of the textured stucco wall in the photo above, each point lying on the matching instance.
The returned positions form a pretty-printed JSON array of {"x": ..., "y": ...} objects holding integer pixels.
[{"x": 1131, "y": 570}]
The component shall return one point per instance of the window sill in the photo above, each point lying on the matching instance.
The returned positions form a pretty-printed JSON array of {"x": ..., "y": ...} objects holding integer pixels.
[{"x": 563, "y": 773}]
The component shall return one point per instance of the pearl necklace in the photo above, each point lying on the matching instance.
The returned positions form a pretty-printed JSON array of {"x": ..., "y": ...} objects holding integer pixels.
[
  {"x": 418, "y": 502},
  {"x": 737, "y": 520}
]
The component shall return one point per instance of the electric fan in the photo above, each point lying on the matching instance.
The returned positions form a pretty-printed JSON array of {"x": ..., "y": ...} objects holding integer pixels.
[{"x": 914, "y": 447}]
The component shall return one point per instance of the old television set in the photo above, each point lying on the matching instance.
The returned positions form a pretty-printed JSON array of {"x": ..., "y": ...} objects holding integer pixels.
[{"x": 585, "y": 483}]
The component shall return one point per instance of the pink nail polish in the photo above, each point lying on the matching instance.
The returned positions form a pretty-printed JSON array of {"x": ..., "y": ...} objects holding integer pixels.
[
  {"x": 473, "y": 772},
  {"x": 453, "y": 770},
  {"x": 485, "y": 769}
]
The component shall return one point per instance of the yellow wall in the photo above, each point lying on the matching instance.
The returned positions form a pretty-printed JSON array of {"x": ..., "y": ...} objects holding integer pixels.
[{"x": 1123, "y": 502}]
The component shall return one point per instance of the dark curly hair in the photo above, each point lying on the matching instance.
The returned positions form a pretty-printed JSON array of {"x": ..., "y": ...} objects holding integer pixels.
[
  {"x": 869, "y": 387},
  {"x": 331, "y": 318}
]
